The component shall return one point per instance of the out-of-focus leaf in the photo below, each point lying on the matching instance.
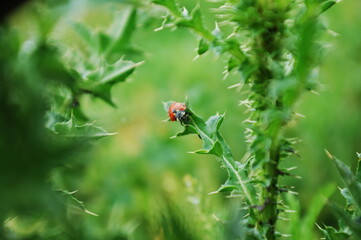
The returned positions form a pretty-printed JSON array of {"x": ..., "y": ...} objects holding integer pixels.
[
  {"x": 350, "y": 180},
  {"x": 233, "y": 63},
  {"x": 203, "y": 46},
  {"x": 354, "y": 226},
  {"x": 358, "y": 169},
  {"x": 327, "y": 5},
  {"x": 79, "y": 203},
  {"x": 171, "y": 5},
  {"x": 331, "y": 233},
  {"x": 72, "y": 130},
  {"x": 315, "y": 207},
  {"x": 302, "y": 227},
  {"x": 86, "y": 34},
  {"x": 101, "y": 80},
  {"x": 122, "y": 30}
]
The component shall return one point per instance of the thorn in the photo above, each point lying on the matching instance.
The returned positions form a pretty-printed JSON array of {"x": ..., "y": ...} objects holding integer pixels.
[
  {"x": 283, "y": 219},
  {"x": 249, "y": 121},
  {"x": 236, "y": 85},
  {"x": 217, "y": 219},
  {"x": 315, "y": 92},
  {"x": 292, "y": 168},
  {"x": 329, "y": 155},
  {"x": 290, "y": 211},
  {"x": 245, "y": 216},
  {"x": 226, "y": 74},
  {"x": 286, "y": 235},
  {"x": 300, "y": 115},
  {"x": 333, "y": 33},
  {"x": 91, "y": 213},
  {"x": 293, "y": 192},
  {"x": 234, "y": 196}
]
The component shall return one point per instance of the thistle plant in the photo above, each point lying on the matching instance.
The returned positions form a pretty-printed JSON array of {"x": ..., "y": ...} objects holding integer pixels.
[
  {"x": 349, "y": 217},
  {"x": 42, "y": 86},
  {"x": 275, "y": 47}
]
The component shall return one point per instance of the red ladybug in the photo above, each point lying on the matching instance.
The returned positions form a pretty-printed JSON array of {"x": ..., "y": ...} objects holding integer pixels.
[{"x": 177, "y": 111}]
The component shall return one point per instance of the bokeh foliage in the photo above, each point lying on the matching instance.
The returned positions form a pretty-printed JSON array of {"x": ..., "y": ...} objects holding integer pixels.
[{"x": 140, "y": 183}]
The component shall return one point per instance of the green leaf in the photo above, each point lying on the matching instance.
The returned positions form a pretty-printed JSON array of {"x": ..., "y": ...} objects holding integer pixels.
[
  {"x": 235, "y": 50},
  {"x": 216, "y": 149},
  {"x": 350, "y": 180},
  {"x": 327, "y": 5},
  {"x": 122, "y": 30},
  {"x": 350, "y": 202},
  {"x": 302, "y": 226},
  {"x": 314, "y": 210},
  {"x": 195, "y": 22},
  {"x": 71, "y": 129},
  {"x": 233, "y": 63},
  {"x": 86, "y": 34},
  {"x": 203, "y": 46},
  {"x": 100, "y": 81},
  {"x": 225, "y": 188},
  {"x": 213, "y": 143},
  {"x": 332, "y": 234},
  {"x": 104, "y": 41},
  {"x": 354, "y": 226},
  {"x": 188, "y": 129},
  {"x": 358, "y": 169},
  {"x": 171, "y": 5},
  {"x": 80, "y": 204}
]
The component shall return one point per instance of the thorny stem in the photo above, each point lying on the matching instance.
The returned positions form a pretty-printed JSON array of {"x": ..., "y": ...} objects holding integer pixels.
[{"x": 268, "y": 45}]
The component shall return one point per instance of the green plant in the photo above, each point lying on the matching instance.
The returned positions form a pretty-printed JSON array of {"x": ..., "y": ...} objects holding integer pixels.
[
  {"x": 274, "y": 45},
  {"x": 349, "y": 217},
  {"x": 41, "y": 95}
]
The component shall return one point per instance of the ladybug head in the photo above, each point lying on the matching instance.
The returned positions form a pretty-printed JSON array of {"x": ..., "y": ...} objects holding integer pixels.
[
  {"x": 177, "y": 111},
  {"x": 180, "y": 114}
]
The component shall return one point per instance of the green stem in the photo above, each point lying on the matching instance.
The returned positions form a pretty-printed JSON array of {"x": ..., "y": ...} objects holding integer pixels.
[
  {"x": 230, "y": 164},
  {"x": 270, "y": 213}
]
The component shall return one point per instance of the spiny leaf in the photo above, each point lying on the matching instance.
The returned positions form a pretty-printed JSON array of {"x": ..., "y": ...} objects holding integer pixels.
[
  {"x": 101, "y": 80},
  {"x": 195, "y": 22},
  {"x": 80, "y": 203},
  {"x": 85, "y": 33},
  {"x": 225, "y": 188},
  {"x": 122, "y": 30},
  {"x": 213, "y": 143},
  {"x": 215, "y": 149},
  {"x": 354, "y": 226},
  {"x": 72, "y": 130},
  {"x": 350, "y": 180},
  {"x": 331, "y": 233},
  {"x": 350, "y": 202},
  {"x": 318, "y": 202},
  {"x": 171, "y": 5},
  {"x": 188, "y": 129}
]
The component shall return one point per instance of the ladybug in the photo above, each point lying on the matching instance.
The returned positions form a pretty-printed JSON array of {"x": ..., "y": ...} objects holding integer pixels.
[{"x": 177, "y": 111}]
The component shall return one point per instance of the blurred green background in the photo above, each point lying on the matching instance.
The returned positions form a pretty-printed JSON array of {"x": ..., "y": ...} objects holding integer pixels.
[{"x": 144, "y": 185}]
